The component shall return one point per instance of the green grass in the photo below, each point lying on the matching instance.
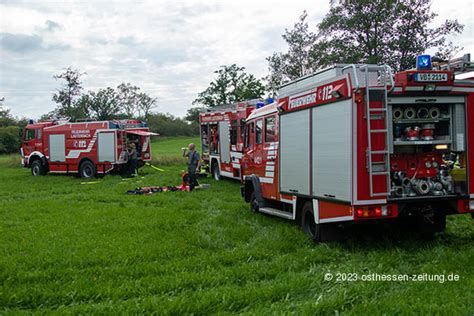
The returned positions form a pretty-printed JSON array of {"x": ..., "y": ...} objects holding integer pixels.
[
  {"x": 167, "y": 151},
  {"x": 68, "y": 247}
]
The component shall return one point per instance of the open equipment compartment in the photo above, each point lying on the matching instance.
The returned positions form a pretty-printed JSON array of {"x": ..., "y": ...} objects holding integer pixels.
[{"x": 427, "y": 145}]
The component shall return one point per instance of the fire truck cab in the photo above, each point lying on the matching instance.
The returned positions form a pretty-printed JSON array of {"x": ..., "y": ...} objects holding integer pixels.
[
  {"x": 353, "y": 143},
  {"x": 83, "y": 148}
]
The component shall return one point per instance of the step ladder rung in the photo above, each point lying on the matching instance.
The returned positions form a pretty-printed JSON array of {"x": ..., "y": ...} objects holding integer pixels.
[
  {"x": 378, "y": 109},
  {"x": 379, "y": 131},
  {"x": 379, "y": 152},
  {"x": 380, "y": 173},
  {"x": 380, "y": 194}
]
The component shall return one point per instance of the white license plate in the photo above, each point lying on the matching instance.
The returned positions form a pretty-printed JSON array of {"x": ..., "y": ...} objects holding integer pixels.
[{"x": 431, "y": 77}]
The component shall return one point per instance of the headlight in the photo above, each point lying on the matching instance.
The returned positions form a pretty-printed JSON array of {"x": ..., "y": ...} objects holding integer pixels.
[
  {"x": 428, "y": 164},
  {"x": 435, "y": 164}
]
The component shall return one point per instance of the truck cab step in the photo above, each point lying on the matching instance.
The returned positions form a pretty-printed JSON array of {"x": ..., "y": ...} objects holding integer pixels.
[{"x": 276, "y": 212}]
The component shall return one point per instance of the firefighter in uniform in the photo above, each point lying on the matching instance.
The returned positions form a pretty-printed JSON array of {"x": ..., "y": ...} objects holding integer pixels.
[
  {"x": 132, "y": 159},
  {"x": 193, "y": 162}
]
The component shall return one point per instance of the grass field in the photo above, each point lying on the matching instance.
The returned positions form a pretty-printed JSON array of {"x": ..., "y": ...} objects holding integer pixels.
[{"x": 69, "y": 247}]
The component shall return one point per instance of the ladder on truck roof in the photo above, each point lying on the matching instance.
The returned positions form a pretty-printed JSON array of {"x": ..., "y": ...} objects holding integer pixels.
[{"x": 377, "y": 167}]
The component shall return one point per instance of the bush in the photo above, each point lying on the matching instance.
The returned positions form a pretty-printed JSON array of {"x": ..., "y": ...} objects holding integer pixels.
[{"x": 9, "y": 139}]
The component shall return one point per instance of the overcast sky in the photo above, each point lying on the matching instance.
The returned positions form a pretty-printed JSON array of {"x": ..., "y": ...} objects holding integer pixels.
[{"x": 168, "y": 48}]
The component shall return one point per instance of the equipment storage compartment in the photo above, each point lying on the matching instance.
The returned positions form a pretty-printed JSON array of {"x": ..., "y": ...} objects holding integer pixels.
[
  {"x": 427, "y": 146},
  {"x": 295, "y": 152}
]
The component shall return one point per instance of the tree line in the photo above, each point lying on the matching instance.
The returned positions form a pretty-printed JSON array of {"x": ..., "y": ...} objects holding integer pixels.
[
  {"x": 10, "y": 130},
  {"x": 126, "y": 101},
  {"x": 391, "y": 32}
]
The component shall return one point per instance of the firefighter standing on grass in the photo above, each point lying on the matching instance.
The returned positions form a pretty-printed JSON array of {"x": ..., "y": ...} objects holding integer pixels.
[
  {"x": 193, "y": 164},
  {"x": 132, "y": 159}
]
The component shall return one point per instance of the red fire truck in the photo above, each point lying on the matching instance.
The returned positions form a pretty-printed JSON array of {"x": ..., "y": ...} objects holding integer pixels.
[
  {"x": 352, "y": 143},
  {"x": 221, "y": 131},
  {"x": 84, "y": 148}
]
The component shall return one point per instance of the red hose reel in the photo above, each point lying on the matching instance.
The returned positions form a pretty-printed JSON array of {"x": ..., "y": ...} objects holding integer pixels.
[
  {"x": 412, "y": 133},
  {"x": 426, "y": 132}
]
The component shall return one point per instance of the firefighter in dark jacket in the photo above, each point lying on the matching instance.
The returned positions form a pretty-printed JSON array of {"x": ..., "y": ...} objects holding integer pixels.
[
  {"x": 194, "y": 161},
  {"x": 132, "y": 159}
]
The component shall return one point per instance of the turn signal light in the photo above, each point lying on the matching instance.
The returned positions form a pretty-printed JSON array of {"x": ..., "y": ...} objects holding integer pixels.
[{"x": 374, "y": 211}]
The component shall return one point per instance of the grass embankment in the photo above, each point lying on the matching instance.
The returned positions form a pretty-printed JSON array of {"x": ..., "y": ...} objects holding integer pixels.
[{"x": 70, "y": 247}]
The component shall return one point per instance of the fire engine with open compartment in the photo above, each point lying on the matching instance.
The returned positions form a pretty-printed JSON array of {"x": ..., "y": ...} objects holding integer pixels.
[
  {"x": 221, "y": 130},
  {"x": 353, "y": 143},
  {"x": 83, "y": 148}
]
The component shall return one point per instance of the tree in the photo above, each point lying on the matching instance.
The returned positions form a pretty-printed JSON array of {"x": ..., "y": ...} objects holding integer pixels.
[
  {"x": 297, "y": 61},
  {"x": 232, "y": 84},
  {"x": 6, "y": 119},
  {"x": 393, "y": 32},
  {"x": 192, "y": 114},
  {"x": 128, "y": 99},
  {"x": 82, "y": 107},
  {"x": 145, "y": 105},
  {"x": 68, "y": 93},
  {"x": 9, "y": 139},
  {"x": 103, "y": 104}
]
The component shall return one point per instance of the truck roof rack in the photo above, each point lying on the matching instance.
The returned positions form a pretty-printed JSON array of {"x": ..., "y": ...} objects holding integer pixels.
[
  {"x": 357, "y": 72},
  {"x": 458, "y": 65},
  {"x": 231, "y": 106}
]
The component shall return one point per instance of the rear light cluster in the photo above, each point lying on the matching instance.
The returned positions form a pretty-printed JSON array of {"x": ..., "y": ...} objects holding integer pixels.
[
  {"x": 374, "y": 211},
  {"x": 466, "y": 206}
]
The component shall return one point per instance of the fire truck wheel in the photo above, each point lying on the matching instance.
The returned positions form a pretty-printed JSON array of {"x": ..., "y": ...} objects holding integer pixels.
[
  {"x": 216, "y": 173},
  {"x": 37, "y": 169},
  {"x": 87, "y": 170},
  {"x": 308, "y": 224},
  {"x": 254, "y": 203}
]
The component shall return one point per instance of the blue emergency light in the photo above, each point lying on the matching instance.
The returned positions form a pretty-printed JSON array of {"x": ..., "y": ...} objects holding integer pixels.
[
  {"x": 260, "y": 105},
  {"x": 423, "y": 62}
]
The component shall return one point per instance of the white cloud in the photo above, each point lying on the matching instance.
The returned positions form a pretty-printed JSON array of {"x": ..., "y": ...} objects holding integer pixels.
[{"x": 169, "y": 48}]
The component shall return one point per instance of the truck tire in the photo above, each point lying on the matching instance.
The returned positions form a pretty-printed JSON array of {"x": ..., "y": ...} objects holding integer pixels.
[
  {"x": 254, "y": 206},
  {"x": 87, "y": 169},
  {"x": 216, "y": 173},
  {"x": 308, "y": 223},
  {"x": 37, "y": 168}
]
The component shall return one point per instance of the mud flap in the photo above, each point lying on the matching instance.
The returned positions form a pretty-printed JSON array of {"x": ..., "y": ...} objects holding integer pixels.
[{"x": 253, "y": 183}]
